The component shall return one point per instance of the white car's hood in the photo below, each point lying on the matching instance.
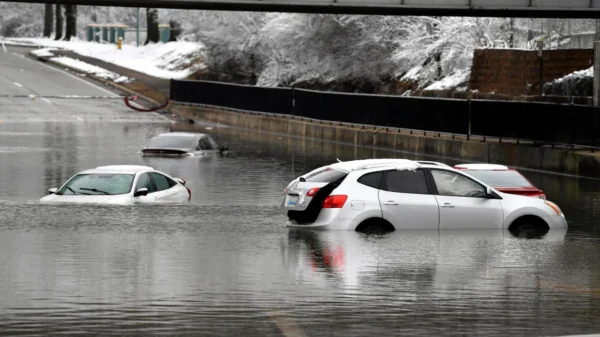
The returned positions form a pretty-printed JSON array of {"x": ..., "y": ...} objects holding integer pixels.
[{"x": 87, "y": 199}]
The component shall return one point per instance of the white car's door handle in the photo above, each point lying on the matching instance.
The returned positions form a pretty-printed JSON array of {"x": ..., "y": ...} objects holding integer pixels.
[
  {"x": 391, "y": 203},
  {"x": 447, "y": 205}
]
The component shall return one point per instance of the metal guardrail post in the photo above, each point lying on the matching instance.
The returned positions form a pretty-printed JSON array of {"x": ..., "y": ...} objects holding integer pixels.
[
  {"x": 293, "y": 101},
  {"x": 594, "y": 130},
  {"x": 469, "y": 121}
]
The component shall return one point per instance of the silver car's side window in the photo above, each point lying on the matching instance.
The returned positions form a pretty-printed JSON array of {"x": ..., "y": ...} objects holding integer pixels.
[{"x": 452, "y": 184}]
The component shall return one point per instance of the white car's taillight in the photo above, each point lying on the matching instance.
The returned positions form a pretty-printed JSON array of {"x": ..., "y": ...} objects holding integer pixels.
[
  {"x": 312, "y": 191},
  {"x": 335, "y": 201}
]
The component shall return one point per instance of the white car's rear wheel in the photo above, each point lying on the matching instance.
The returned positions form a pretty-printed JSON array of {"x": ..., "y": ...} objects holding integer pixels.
[{"x": 375, "y": 226}]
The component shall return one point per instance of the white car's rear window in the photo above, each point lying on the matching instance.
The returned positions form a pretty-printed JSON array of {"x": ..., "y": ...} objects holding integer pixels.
[{"x": 326, "y": 176}]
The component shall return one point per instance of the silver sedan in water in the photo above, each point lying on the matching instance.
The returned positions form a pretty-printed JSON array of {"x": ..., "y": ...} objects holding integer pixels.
[{"x": 181, "y": 144}]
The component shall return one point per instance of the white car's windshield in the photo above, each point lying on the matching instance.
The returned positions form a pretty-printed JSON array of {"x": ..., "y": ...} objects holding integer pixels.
[{"x": 98, "y": 184}]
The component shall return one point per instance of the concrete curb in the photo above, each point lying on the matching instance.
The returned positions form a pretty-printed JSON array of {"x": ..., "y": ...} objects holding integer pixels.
[{"x": 48, "y": 59}]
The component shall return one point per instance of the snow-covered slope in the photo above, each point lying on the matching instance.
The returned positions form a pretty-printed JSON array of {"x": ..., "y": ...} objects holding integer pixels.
[{"x": 174, "y": 60}]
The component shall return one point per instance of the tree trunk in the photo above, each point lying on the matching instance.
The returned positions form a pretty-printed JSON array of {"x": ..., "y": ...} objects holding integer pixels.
[
  {"x": 71, "y": 11},
  {"x": 152, "y": 26},
  {"x": 48, "y": 20},
  {"x": 175, "y": 30},
  {"x": 59, "y": 22},
  {"x": 512, "y": 33}
]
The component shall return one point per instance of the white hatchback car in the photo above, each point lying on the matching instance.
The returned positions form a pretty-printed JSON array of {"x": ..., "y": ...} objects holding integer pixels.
[
  {"x": 120, "y": 185},
  {"x": 405, "y": 194}
]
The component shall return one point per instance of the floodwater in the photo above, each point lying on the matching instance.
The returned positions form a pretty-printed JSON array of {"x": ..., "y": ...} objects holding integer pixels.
[{"x": 226, "y": 265}]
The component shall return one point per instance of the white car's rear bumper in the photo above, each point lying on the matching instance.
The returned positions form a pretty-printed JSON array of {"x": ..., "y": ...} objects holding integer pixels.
[{"x": 327, "y": 220}]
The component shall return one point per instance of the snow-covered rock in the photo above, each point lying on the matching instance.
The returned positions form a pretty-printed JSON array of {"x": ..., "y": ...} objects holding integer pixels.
[
  {"x": 579, "y": 83},
  {"x": 86, "y": 68}
]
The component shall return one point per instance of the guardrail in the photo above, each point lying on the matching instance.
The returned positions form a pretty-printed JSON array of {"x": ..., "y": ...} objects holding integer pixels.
[{"x": 540, "y": 123}]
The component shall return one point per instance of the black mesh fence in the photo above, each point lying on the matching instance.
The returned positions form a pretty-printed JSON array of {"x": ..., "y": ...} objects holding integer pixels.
[
  {"x": 243, "y": 97},
  {"x": 541, "y": 122}
]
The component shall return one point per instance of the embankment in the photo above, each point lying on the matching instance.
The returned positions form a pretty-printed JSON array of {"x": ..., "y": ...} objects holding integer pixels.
[{"x": 518, "y": 155}]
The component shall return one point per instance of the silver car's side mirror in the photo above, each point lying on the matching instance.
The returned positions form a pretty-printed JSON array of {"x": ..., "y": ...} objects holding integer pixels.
[
  {"x": 53, "y": 190},
  {"x": 488, "y": 192},
  {"x": 141, "y": 192}
]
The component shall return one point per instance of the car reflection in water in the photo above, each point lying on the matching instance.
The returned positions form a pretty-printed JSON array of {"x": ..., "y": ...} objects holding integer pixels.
[{"x": 442, "y": 261}]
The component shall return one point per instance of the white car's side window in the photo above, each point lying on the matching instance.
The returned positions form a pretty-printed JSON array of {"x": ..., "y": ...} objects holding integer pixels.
[
  {"x": 452, "y": 184},
  {"x": 145, "y": 182}
]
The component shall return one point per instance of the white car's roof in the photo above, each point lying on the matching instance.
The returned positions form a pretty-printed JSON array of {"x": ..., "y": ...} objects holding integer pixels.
[
  {"x": 125, "y": 169},
  {"x": 373, "y": 163},
  {"x": 482, "y": 167}
]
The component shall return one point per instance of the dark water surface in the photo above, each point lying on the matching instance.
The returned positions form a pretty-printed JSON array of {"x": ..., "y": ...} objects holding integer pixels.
[{"x": 226, "y": 265}]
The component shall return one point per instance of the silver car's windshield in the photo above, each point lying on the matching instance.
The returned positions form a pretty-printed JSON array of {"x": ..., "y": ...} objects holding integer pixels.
[
  {"x": 172, "y": 142},
  {"x": 98, "y": 184}
]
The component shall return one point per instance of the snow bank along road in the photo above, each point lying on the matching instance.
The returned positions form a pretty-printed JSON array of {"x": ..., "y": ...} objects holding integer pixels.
[{"x": 33, "y": 91}]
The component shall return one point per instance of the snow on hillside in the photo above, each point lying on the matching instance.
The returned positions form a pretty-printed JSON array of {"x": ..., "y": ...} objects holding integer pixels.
[
  {"x": 174, "y": 60},
  {"x": 360, "y": 53}
]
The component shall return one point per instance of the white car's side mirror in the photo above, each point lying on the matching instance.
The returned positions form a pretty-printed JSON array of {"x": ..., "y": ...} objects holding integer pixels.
[
  {"x": 53, "y": 190},
  {"x": 141, "y": 192},
  {"x": 488, "y": 192}
]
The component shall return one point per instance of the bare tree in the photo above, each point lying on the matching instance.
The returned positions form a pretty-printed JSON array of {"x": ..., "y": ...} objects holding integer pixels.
[
  {"x": 71, "y": 13},
  {"x": 59, "y": 22},
  {"x": 152, "y": 26},
  {"x": 48, "y": 20}
]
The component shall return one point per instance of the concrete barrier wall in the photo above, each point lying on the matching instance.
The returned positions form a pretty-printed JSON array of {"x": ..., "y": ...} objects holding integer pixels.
[{"x": 546, "y": 159}]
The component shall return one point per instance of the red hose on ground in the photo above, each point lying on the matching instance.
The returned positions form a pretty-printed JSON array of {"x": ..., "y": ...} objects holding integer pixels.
[{"x": 135, "y": 98}]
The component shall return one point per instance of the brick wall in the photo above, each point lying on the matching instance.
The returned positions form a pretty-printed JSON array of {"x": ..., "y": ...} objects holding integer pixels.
[{"x": 517, "y": 72}]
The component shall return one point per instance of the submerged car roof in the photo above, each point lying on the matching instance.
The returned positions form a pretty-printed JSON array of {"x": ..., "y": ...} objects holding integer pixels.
[
  {"x": 482, "y": 167},
  {"x": 181, "y": 134},
  {"x": 124, "y": 169}
]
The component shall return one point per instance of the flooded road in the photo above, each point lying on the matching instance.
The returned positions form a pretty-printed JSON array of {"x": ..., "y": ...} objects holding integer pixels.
[{"x": 226, "y": 265}]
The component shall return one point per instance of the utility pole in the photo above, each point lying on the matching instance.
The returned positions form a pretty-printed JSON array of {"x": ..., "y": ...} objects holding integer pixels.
[{"x": 137, "y": 28}]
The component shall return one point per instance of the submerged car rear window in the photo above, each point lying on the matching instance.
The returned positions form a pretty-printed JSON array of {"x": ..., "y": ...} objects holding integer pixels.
[
  {"x": 171, "y": 142},
  {"x": 500, "y": 178},
  {"x": 327, "y": 176}
]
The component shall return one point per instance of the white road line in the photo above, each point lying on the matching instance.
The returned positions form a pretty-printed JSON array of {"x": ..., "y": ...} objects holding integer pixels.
[
  {"x": 78, "y": 118},
  {"x": 46, "y": 100},
  {"x": 4, "y": 47},
  {"x": 110, "y": 93},
  {"x": 18, "y": 85}
]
